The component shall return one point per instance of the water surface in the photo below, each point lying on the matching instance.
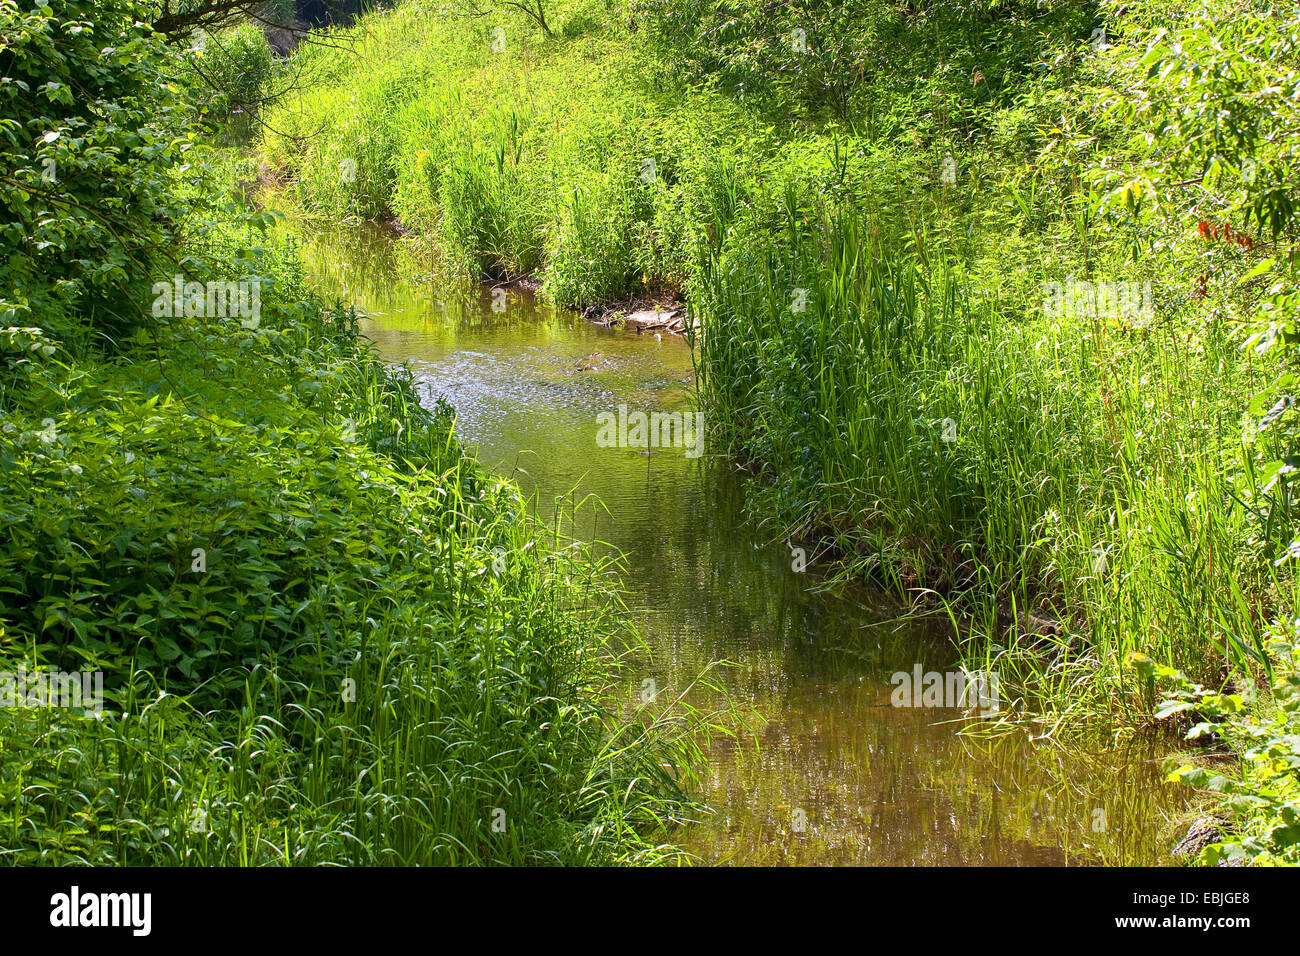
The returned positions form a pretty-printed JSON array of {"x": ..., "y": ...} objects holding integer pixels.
[{"x": 832, "y": 774}]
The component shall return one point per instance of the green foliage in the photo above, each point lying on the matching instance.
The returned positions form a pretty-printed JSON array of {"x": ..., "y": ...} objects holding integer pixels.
[
  {"x": 236, "y": 66},
  {"x": 878, "y": 66},
  {"x": 91, "y": 127},
  {"x": 943, "y": 440},
  {"x": 345, "y": 544},
  {"x": 326, "y": 637},
  {"x": 488, "y": 208},
  {"x": 592, "y": 252},
  {"x": 512, "y": 171},
  {"x": 129, "y": 440},
  {"x": 1220, "y": 104},
  {"x": 920, "y": 173},
  {"x": 1265, "y": 797}
]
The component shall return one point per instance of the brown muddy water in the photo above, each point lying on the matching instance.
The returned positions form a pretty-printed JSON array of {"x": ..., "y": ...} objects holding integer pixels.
[{"x": 830, "y": 773}]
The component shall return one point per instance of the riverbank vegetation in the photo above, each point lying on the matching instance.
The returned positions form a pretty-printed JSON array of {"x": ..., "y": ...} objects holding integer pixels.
[
  {"x": 324, "y": 635},
  {"x": 996, "y": 299}
]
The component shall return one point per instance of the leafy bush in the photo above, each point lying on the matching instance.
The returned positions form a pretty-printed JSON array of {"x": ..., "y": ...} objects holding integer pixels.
[
  {"x": 1264, "y": 796},
  {"x": 236, "y": 65},
  {"x": 864, "y": 63},
  {"x": 91, "y": 125}
]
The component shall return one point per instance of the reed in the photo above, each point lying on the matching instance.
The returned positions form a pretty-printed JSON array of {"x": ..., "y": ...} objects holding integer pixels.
[{"x": 951, "y": 442}]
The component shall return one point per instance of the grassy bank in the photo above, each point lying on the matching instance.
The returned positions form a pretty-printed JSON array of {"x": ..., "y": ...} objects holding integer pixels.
[
  {"x": 324, "y": 636},
  {"x": 996, "y": 299}
]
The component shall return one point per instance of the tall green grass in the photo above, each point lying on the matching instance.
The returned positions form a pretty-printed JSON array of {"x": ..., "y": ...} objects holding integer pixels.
[
  {"x": 525, "y": 161},
  {"x": 943, "y": 437}
]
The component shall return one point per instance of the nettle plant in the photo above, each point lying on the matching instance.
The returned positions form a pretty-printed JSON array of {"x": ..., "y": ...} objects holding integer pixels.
[
  {"x": 1266, "y": 797},
  {"x": 92, "y": 130}
]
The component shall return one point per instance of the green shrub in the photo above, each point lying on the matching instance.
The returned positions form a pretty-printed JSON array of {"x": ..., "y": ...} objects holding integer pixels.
[
  {"x": 1264, "y": 794},
  {"x": 236, "y": 65},
  {"x": 91, "y": 128}
]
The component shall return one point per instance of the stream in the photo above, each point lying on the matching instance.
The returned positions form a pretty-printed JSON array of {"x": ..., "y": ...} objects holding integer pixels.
[{"x": 831, "y": 773}]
